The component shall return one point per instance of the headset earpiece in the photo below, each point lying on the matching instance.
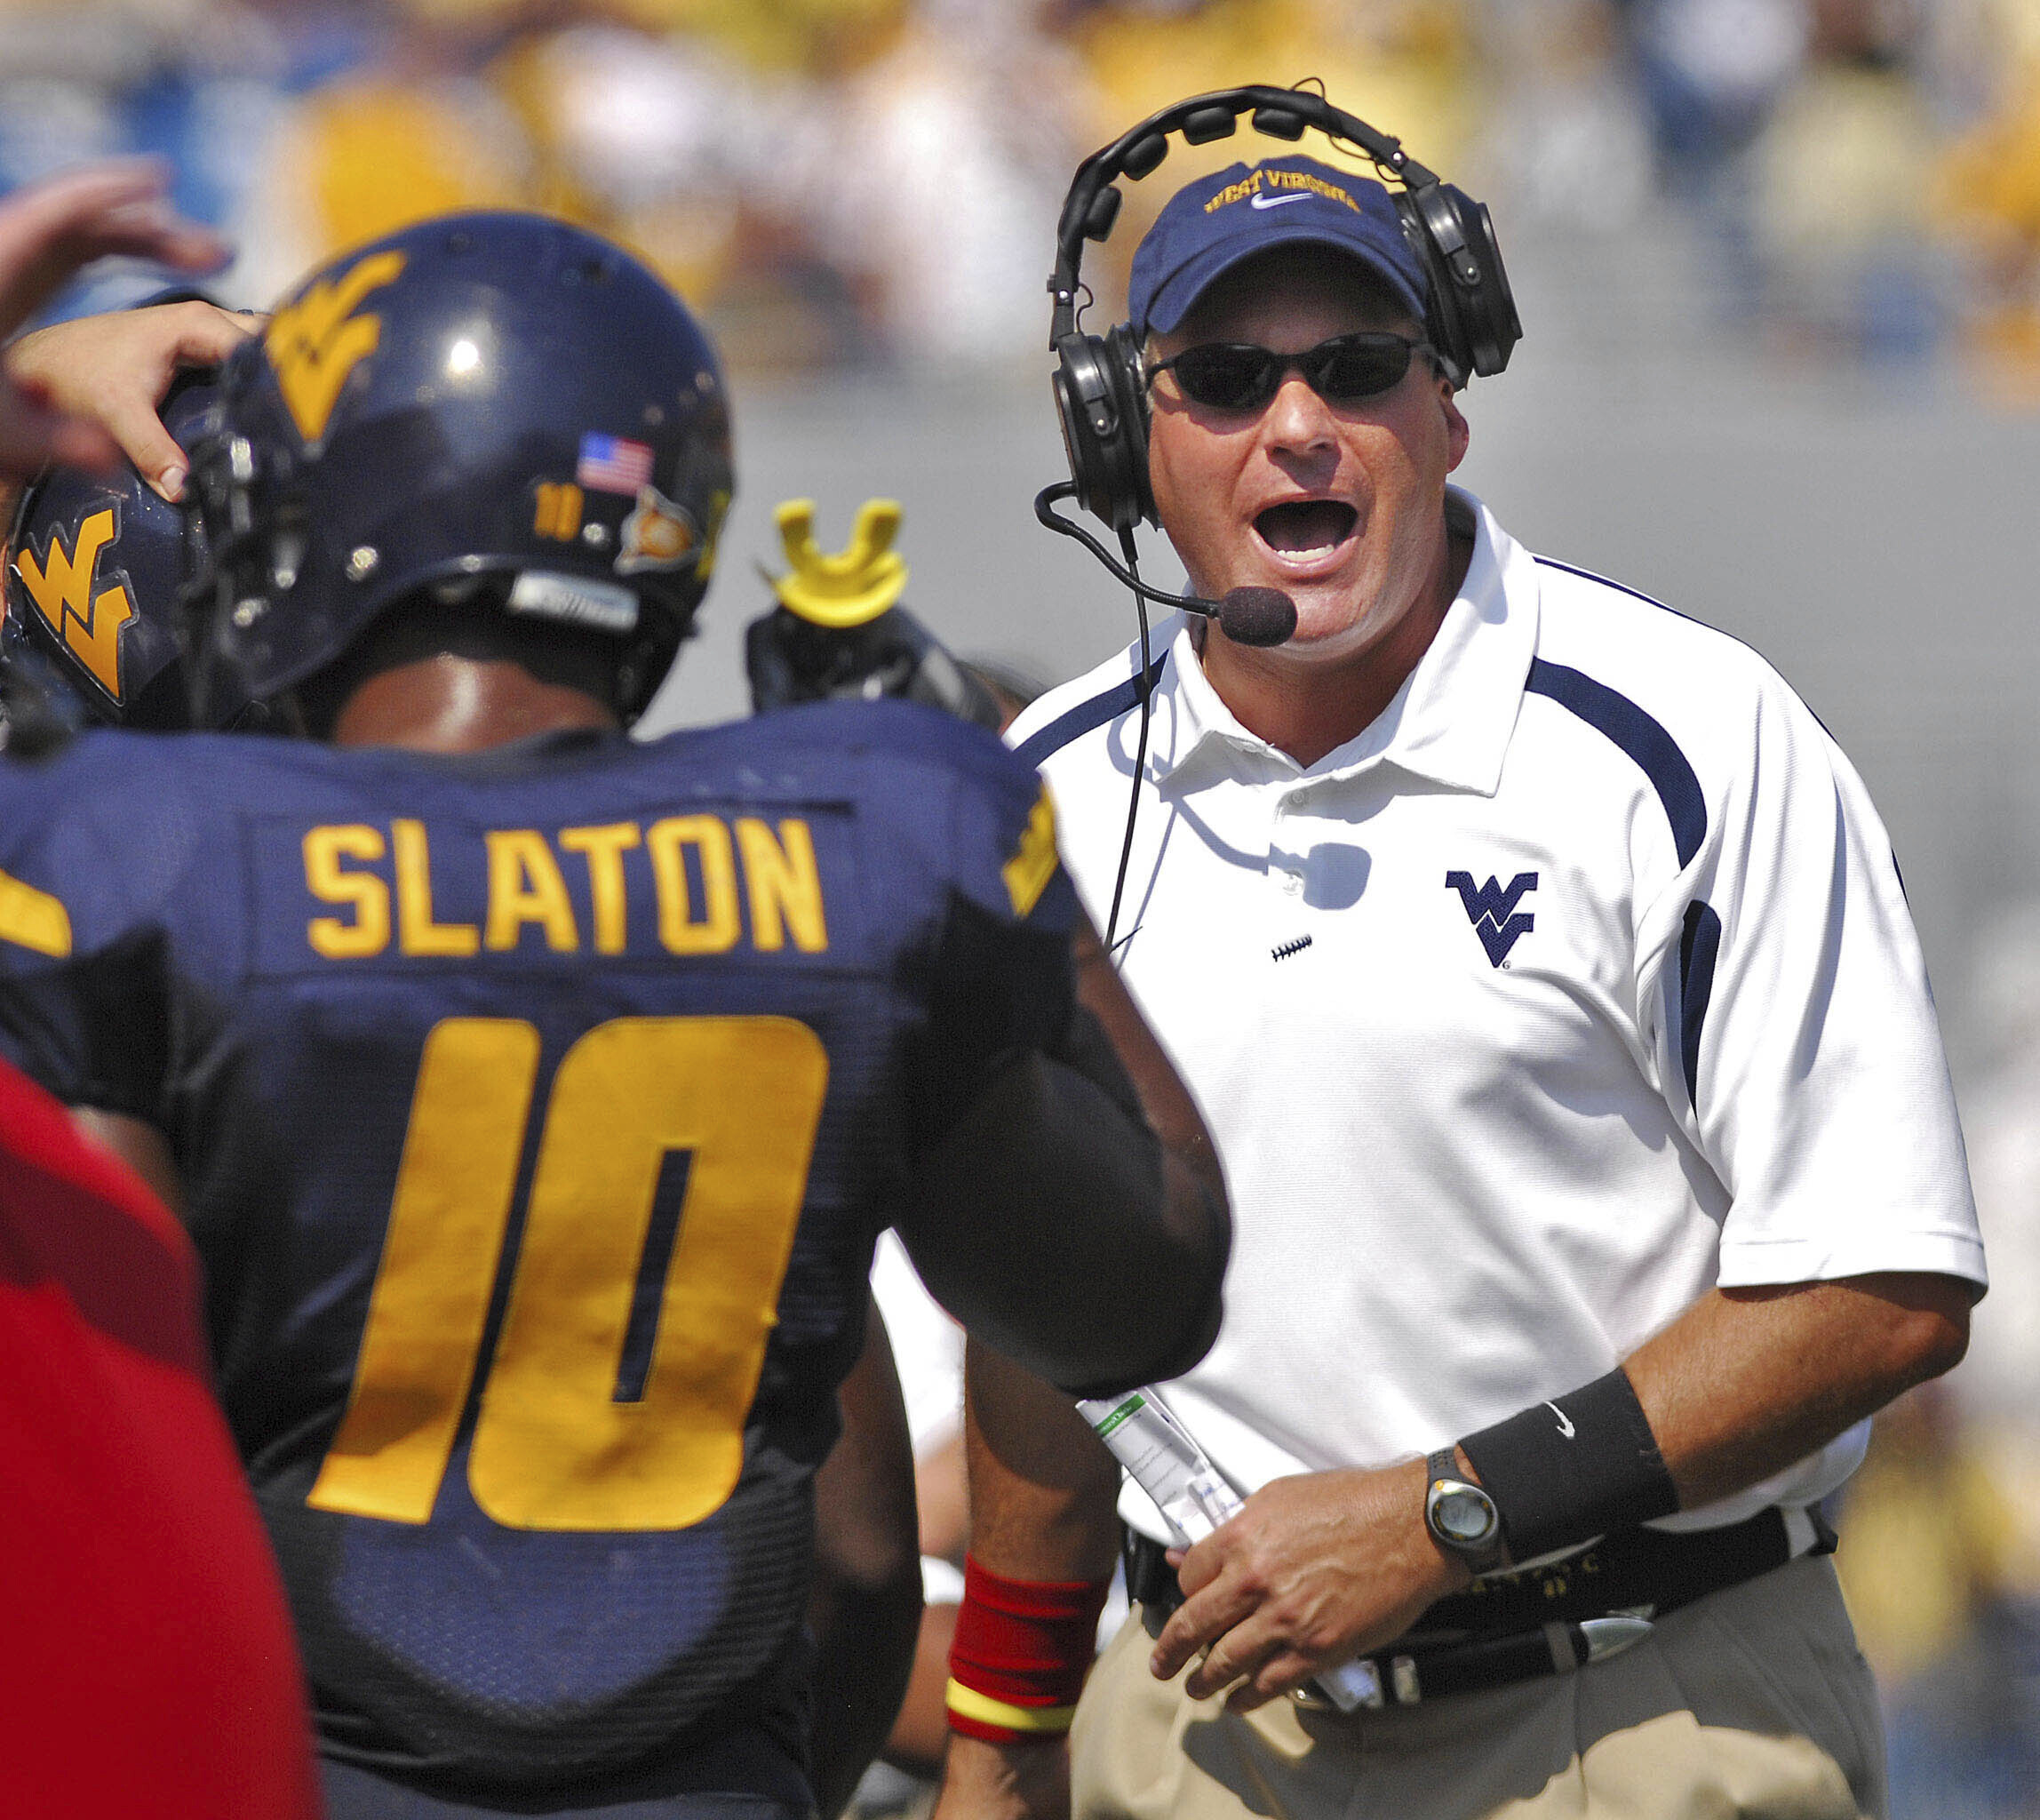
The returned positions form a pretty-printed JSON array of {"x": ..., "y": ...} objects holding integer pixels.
[
  {"x": 1471, "y": 316},
  {"x": 1101, "y": 401}
]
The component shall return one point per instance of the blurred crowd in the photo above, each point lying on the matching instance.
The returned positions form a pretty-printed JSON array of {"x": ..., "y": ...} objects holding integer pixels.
[
  {"x": 1940, "y": 1551},
  {"x": 874, "y": 182}
]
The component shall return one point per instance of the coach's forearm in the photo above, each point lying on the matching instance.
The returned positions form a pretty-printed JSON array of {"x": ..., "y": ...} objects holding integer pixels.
[{"x": 1747, "y": 1381}]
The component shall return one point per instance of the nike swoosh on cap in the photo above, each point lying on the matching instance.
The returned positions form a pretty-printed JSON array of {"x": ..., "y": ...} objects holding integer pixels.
[
  {"x": 1276, "y": 202},
  {"x": 1565, "y": 1421}
]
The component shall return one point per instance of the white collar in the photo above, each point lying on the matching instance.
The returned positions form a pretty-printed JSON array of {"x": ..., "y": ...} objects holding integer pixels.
[{"x": 1450, "y": 721}]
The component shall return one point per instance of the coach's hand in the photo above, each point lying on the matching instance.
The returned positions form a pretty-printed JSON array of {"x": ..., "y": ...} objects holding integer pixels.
[
  {"x": 1317, "y": 1569},
  {"x": 55, "y": 402}
]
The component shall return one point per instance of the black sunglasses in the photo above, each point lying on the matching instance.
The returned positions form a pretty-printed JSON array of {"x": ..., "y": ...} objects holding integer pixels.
[{"x": 1239, "y": 375}]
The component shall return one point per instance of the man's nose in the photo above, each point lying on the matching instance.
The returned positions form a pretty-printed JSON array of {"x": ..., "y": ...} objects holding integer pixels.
[{"x": 1297, "y": 421}]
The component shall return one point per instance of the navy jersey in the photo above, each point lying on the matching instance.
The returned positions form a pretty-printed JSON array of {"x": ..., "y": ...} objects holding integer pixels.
[{"x": 537, "y": 1111}]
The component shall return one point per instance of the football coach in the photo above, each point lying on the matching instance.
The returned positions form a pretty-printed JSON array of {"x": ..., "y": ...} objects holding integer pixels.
[{"x": 1547, "y": 978}]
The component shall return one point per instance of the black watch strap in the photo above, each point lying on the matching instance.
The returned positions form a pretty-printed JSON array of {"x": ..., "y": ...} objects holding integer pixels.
[{"x": 1449, "y": 1500}]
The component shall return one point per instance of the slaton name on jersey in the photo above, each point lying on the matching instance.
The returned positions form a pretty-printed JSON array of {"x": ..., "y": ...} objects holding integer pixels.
[{"x": 700, "y": 884}]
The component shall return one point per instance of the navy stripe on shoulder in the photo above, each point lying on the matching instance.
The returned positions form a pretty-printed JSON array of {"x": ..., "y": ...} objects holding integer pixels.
[
  {"x": 1652, "y": 601},
  {"x": 1050, "y": 739},
  {"x": 1644, "y": 740},
  {"x": 1619, "y": 588},
  {"x": 1699, "y": 948}
]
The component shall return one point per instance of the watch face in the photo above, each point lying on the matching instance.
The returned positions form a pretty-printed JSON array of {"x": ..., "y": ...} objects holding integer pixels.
[{"x": 1463, "y": 1515}]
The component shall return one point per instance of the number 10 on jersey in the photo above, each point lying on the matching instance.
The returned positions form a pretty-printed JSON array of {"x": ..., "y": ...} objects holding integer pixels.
[{"x": 556, "y": 1446}]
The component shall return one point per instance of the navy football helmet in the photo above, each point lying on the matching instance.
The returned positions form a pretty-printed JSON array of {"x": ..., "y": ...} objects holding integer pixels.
[
  {"x": 93, "y": 573},
  {"x": 499, "y": 408}
]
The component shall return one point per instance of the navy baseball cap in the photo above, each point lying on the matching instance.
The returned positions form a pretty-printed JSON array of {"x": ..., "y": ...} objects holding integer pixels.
[{"x": 1209, "y": 226}]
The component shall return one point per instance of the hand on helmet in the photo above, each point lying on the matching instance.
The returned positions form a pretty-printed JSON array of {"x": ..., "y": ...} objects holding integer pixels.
[
  {"x": 79, "y": 393},
  {"x": 112, "y": 373}
]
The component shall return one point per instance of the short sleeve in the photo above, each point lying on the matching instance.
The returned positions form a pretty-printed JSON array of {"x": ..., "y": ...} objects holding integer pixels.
[
  {"x": 1000, "y": 980},
  {"x": 1797, "y": 1041},
  {"x": 82, "y": 1011}
]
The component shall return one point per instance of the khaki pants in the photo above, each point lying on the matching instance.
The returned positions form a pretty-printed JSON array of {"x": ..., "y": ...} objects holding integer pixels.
[{"x": 1752, "y": 1702}]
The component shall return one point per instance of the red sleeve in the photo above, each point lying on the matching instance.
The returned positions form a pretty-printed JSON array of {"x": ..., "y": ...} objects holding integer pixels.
[{"x": 152, "y": 1666}]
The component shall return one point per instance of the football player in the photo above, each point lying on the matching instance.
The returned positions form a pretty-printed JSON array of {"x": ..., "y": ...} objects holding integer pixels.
[
  {"x": 90, "y": 637},
  {"x": 535, "y": 1097}
]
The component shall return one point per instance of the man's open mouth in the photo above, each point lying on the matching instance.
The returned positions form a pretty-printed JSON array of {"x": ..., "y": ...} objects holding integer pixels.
[{"x": 1306, "y": 527}]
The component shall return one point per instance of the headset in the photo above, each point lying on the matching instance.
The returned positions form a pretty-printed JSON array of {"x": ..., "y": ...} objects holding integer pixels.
[{"x": 1101, "y": 382}]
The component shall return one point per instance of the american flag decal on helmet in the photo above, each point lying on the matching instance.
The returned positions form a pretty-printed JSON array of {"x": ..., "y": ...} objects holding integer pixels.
[{"x": 613, "y": 465}]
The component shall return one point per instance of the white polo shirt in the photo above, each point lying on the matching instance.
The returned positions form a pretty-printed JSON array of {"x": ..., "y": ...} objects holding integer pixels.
[{"x": 1581, "y": 982}]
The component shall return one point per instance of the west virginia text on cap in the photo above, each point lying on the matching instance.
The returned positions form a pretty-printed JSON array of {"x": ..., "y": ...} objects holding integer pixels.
[{"x": 1210, "y": 226}]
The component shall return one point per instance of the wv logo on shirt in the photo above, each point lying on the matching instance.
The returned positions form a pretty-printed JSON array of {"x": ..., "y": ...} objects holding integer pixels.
[{"x": 1492, "y": 910}]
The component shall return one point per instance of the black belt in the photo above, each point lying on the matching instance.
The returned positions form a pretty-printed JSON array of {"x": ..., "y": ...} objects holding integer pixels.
[{"x": 1540, "y": 1620}]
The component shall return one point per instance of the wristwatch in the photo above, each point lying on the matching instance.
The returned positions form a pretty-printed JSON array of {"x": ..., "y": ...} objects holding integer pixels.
[{"x": 1461, "y": 1518}]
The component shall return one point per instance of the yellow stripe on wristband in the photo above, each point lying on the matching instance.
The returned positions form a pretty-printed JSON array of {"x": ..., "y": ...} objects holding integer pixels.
[{"x": 968, "y": 1703}]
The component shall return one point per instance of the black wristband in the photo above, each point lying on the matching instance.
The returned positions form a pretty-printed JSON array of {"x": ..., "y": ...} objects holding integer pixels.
[{"x": 1562, "y": 1473}]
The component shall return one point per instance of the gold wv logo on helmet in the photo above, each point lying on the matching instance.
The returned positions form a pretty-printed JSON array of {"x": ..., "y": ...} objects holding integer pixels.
[
  {"x": 61, "y": 582},
  {"x": 852, "y": 588},
  {"x": 315, "y": 341}
]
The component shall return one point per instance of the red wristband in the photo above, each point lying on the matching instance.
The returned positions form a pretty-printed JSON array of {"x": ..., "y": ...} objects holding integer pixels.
[{"x": 1023, "y": 1648}]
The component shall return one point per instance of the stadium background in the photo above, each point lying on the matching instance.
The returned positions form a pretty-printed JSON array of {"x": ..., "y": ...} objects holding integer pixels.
[{"x": 1779, "y": 266}]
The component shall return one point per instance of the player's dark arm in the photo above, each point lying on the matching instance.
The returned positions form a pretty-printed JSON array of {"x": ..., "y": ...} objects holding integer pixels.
[
  {"x": 139, "y": 1145},
  {"x": 1042, "y": 1492},
  {"x": 1051, "y": 1219},
  {"x": 1042, "y": 1489},
  {"x": 864, "y": 1609}
]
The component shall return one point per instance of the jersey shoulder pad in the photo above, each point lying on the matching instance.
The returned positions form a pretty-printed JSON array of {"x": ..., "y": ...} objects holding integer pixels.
[{"x": 101, "y": 829}]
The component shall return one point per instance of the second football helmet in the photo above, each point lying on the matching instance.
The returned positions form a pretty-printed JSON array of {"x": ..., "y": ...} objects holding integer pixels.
[
  {"x": 94, "y": 568},
  {"x": 499, "y": 408}
]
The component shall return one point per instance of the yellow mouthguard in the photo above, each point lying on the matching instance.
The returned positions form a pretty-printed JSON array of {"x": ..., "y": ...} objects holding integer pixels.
[{"x": 852, "y": 588}]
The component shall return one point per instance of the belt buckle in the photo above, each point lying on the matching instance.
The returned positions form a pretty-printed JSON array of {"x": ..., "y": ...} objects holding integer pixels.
[{"x": 1312, "y": 1698}]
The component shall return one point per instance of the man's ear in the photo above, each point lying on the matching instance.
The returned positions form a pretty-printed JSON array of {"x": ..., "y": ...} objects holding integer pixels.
[{"x": 1457, "y": 433}]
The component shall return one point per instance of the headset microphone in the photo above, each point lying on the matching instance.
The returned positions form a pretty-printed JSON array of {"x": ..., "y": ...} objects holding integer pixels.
[
  {"x": 1253, "y": 614},
  {"x": 1247, "y": 615}
]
